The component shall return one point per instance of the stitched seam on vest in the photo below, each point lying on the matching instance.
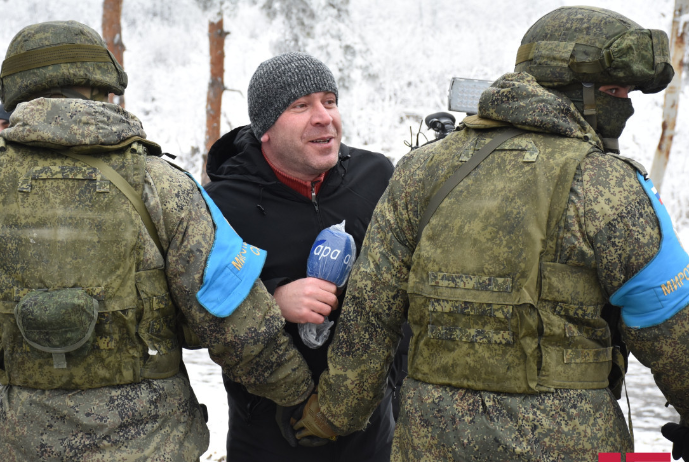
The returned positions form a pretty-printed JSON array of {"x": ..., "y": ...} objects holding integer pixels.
[
  {"x": 595, "y": 355},
  {"x": 462, "y": 334},
  {"x": 96, "y": 292},
  {"x": 466, "y": 281},
  {"x": 470, "y": 308},
  {"x": 578, "y": 311},
  {"x": 572, "y": 330}
]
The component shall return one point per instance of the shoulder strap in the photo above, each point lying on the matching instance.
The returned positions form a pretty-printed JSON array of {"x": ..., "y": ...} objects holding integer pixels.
[
  {"x": 125, "y": 188},
  {"x": 461, "y": 173}
]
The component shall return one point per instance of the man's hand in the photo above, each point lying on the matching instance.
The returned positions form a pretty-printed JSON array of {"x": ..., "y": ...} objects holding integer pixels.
[
  {"x": 286, "y": 417},
  {"x": 313, "y": 429},
  {"x": 306, "y": 300},
  {"x": 676, "y": 433}
]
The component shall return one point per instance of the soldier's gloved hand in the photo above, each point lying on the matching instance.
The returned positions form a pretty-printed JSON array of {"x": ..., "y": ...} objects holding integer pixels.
[
  {"x": 313, "y": 429},
  {"x": 286, "y": 417},
  {"x": 678, "y": 435}
]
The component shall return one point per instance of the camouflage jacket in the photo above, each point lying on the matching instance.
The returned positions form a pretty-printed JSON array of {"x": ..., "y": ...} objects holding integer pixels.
[
  {"x": 250, "y": 345},
  {"x": 608, "y": 225}
]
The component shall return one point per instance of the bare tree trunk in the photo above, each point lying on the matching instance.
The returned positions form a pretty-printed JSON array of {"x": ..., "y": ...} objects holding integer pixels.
[
  {"x": 679, "y": 41},
  {"x": 112, "y": 34},
  {"x": 216, "y": 86}
]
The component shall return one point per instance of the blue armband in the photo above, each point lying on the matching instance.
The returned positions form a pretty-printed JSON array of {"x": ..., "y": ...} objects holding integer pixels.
[
  {"x": 660, "y": 289},
  {"x": 232, "y": 267}
]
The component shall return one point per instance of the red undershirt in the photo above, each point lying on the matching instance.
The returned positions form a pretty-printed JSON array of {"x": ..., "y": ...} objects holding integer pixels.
[{"x": 301, "y": 186}]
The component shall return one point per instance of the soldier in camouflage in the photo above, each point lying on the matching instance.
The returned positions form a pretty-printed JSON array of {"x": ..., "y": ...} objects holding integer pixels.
[
  {"x": 111, "y": 260},
  {"x": 508, "y": 284}
]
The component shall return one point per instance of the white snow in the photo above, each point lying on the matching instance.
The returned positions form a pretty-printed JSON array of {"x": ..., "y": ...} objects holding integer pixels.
[{"x": 393, "y": 61}]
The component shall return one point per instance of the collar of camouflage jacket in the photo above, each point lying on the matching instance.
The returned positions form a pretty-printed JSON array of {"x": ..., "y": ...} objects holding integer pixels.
[
  {"x": 66, "y": 123},
  {"x": 517, "y": 98}
]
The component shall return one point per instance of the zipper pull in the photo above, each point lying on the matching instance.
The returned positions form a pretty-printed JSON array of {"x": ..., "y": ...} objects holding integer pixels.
[{"x": 313, "y": 196}]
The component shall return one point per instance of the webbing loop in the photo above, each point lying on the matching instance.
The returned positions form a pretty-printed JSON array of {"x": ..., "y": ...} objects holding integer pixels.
[
  {"x": 590, "y": 105},
  {"x": 525, "y": 53}
]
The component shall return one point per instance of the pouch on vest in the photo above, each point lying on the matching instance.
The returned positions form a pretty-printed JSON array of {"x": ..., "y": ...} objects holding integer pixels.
[
  {"x": 157, "y": 327},
  {"x": 57, "y": 322}
]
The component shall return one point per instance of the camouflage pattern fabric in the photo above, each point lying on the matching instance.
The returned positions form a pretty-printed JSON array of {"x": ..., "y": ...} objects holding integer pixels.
[
  {"x": 609, "y": 224},
  {"x": 155, "y": 420},
  {"x": 499, "y": 427},
  {"x": 516, "y": 98},
  {"x": 16, "y": 87},
  {"x": 129, "y": 421},
  {"x": 664, "y": 349},
  {"x": 42, "y": 123},
  {"x": 250, "y": 345},
  {"x": 70, "y": 321},
  {"x": 587, "y": 44}
]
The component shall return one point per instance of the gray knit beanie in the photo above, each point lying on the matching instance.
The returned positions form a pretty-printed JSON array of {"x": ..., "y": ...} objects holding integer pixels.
[{"x": 281, "y": 80}]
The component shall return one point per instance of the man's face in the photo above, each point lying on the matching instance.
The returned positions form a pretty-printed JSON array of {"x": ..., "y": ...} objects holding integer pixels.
[
  {"x": 619, "y": 91},
  {"x": 4, "y": 124},
  {"x": 305, "y": 140}
]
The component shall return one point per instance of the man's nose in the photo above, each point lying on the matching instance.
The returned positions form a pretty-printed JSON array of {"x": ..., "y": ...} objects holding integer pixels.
[{"x": 320, "y": 115}]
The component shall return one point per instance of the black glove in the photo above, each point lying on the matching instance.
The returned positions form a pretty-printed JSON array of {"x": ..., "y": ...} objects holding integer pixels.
[
  {"x": 286, "y": 417},
  {"x": 313, "y": 441},
  {"x": 678, "y": 435}
]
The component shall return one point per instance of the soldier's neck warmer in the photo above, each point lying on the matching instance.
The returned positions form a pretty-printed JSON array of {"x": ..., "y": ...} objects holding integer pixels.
[
  {"x": 612, "y": 113},
  {"x": 518, "y": 99},
  {"x": 58, "y": 123}
]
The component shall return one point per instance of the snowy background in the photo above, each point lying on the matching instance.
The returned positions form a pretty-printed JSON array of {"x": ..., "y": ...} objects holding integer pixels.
[{"x": 393, "y": 61}]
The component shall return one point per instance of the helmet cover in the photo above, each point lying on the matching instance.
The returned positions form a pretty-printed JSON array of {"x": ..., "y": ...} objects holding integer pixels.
[
  {"x": 57, "y": 54},
  {"x": 587, "y": 44}
]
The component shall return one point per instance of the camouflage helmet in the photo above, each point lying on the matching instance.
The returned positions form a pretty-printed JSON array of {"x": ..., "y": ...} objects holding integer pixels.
[
  {"x": 57, "y": 54},
  {"x": 586, "y": 44}
]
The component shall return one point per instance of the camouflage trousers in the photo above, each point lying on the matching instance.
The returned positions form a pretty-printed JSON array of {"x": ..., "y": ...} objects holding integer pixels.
[
  {"x": 155, "y": 420},
  {"x": 443, "y": 423}
]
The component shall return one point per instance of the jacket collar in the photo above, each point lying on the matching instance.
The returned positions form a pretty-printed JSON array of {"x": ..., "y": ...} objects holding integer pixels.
[
  {"x": 517, "y": 98},
  {"x": 57, "y": 123}
]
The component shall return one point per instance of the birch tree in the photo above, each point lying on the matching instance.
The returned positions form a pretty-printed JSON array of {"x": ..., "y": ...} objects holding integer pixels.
[{"x": 679, "y": 45}]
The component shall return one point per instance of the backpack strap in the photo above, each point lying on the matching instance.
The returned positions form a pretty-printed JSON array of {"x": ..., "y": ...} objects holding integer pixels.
[
  {"x": 126, "y": 189},
  {"x": 461, "y": 173}
]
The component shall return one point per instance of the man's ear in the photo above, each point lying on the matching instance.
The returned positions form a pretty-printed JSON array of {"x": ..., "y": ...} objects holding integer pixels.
[{"x": 265, "y": 137}]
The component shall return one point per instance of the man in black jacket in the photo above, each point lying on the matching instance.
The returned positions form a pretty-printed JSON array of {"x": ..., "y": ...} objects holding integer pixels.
[{"x": 279, "y": 182}]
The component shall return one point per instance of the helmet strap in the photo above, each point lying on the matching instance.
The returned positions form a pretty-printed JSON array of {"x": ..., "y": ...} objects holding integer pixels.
[
  {"x": 589, "y": 103},
  {"x": 590, "y": 113},
  {"x": 611, "y": 145}
]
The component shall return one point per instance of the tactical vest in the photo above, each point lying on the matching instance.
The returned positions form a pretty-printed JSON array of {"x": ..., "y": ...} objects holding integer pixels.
[
  {"x": 490, "y": 307},
  {"x": 84, "y": 301}
]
